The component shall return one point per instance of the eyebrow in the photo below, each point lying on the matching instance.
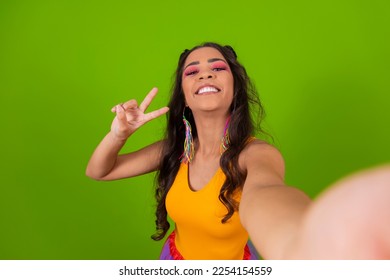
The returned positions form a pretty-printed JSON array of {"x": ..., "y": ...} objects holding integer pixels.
[{"x": 209, "y": 61}]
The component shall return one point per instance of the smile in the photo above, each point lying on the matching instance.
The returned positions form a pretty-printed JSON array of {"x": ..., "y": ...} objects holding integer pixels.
[{"x": 208, "y": 89}]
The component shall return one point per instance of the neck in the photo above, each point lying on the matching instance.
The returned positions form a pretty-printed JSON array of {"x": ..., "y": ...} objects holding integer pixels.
[{"x": 210, "y": 131}]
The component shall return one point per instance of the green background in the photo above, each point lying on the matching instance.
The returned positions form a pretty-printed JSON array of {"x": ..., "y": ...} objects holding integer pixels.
[{"x": 321, "y": 67}]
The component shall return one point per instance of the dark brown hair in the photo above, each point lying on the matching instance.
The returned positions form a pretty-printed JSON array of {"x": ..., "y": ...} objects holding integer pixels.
[{"x": 246, "y": 113}]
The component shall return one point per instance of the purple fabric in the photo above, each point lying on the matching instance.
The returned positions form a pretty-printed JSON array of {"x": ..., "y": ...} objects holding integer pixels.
[
  {"x": 254, "y": 254},
  {"x": 165, "y": 252}
]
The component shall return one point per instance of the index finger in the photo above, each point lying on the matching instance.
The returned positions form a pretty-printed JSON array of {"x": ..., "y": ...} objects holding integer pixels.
[{"x": 148, "y": 99}]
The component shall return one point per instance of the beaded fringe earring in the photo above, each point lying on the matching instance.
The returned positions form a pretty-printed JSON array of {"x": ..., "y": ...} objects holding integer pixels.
[
  {"x": 225, "y": 138},
  {"x": 188, "y": 151}
]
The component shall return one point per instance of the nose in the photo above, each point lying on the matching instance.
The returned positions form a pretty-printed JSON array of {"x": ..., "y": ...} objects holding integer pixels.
[{"x": 206, "y": 75}]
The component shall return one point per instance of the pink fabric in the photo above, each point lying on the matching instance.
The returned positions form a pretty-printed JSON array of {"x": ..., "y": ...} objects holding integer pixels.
[{"x": 170, "y": 252}]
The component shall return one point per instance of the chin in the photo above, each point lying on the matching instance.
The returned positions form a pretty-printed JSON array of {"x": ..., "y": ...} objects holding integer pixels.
[{"x": 211, "y": 109}]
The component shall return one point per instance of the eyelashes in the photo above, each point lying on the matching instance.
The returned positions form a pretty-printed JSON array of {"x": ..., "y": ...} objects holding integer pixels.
[
  {"x": 190, "y": 71},
  {"x": 219, "y": 66}
]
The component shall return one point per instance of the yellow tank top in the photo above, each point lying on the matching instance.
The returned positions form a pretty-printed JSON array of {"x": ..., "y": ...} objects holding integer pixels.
[{"x": 200, "y": 233}]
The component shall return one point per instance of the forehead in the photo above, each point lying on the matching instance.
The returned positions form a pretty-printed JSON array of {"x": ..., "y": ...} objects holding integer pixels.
[{"x": 203, "y": 54}]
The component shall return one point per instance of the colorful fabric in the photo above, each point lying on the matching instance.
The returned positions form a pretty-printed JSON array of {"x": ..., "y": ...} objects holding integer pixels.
[{"x": 170, "y": 252}]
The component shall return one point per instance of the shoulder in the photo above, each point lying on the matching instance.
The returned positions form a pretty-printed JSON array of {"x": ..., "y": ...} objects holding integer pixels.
[{"x": 258, "y": 153}]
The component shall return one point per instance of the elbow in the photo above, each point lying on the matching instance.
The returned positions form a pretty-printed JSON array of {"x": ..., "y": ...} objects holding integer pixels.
[
  {"x": 91, "y": 176},
  {"x": 89, "y": 173}
]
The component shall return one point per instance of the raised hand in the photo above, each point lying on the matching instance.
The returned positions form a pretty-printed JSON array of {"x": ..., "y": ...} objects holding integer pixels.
[{"x": 130, "y": 116}]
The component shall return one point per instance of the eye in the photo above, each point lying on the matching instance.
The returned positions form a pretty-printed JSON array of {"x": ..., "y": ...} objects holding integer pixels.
[
  {"x": 190, "y": 71},
  {"x": 219, "y": 66}
]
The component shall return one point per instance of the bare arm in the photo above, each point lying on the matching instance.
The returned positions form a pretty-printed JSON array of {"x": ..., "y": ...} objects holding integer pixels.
[
  {"x": 106, "y": 164},
  {"x": 350, "y": 220},
  {"x": 270, "y": 211}
]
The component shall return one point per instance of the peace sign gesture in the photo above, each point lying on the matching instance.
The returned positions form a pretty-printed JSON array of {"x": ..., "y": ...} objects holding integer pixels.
[{"x": 130, "y": 116}]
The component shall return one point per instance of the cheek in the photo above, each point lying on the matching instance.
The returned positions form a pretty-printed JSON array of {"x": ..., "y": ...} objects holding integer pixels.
[
  {"x": 186, "y": 86},
  {"x": 230, "y": 82},
  {"x": 231, "y": 91},
  {"x": 186, "y": 93},
  {"x": 186, "y": 90}
]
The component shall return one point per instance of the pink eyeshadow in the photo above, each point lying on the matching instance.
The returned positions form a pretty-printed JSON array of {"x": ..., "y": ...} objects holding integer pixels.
[
  {"x": 220, "y": 64},
  {"x": 190, "y": 69}
]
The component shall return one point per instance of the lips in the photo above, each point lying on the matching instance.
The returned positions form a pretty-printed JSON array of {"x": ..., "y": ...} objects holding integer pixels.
[{"x": 207, "y": 89}]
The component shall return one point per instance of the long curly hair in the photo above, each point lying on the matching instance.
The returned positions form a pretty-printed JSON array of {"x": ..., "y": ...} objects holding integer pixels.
[{"x": 246, "y": 113}]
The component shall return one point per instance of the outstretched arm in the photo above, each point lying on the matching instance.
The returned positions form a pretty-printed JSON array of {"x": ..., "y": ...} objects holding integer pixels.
[
  {"x": 270, "y": 211},
  {"x": 106, "y": 164},
  {"x": 350, "y": 220}
]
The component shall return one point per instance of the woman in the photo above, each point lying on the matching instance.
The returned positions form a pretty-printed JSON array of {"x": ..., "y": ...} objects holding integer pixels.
[{"x": 216, "y": 181}]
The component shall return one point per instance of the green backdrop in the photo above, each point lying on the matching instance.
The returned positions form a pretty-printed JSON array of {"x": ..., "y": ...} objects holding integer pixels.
[{"x": 321, "y": 67}]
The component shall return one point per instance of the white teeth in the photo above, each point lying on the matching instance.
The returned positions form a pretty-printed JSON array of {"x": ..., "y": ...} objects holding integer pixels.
[{"x": 207, "y": 89}]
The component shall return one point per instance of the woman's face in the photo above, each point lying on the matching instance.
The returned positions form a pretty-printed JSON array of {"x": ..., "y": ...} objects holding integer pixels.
[{"x": 207, "y": 81}]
